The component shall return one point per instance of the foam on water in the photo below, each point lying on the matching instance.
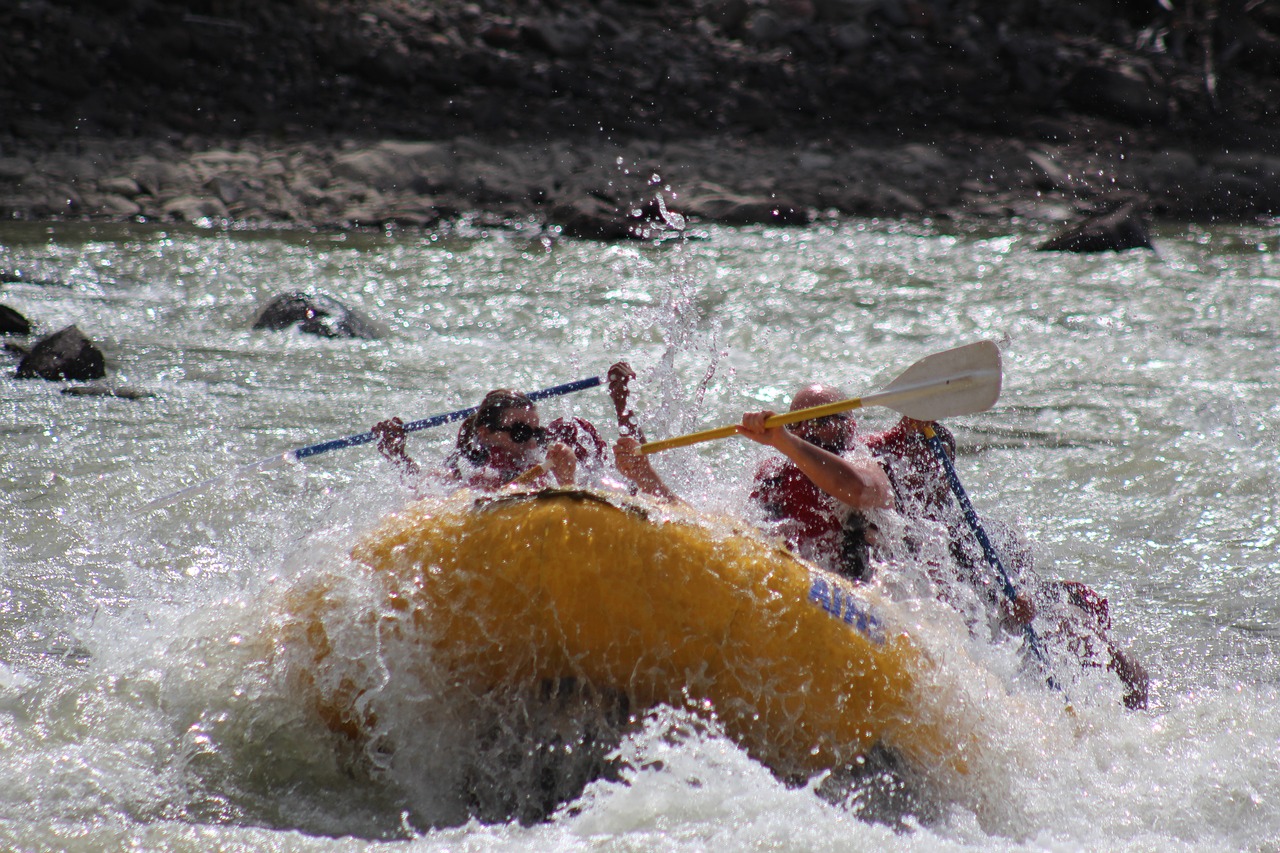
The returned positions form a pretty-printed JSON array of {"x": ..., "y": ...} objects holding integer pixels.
[{"x": 143, "y": 703}]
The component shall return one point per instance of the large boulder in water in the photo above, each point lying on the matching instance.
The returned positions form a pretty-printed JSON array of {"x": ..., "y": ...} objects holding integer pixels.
[
  {"x": 1123, "y": 93},
  {"x": 13, "y": 323},
  {"x": 591, "y": 218},
  {"x": 315, "y": 315},
  {"x": 100, "y": 389},
  {"x": 734, "y": 209},
  {"x": 64, "y": 355},
  {"x": 1122, "y": 228}
]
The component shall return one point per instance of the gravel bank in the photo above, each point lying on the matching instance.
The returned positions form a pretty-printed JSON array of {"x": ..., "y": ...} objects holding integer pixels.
[{"x": 339, "y": 113}]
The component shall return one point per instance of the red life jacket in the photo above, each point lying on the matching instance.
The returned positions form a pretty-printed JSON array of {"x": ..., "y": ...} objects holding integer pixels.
[
  {"x": 787, "y": 495},
  {"x": 918, "y": 479},
  {"x": 815, "y": 525}
]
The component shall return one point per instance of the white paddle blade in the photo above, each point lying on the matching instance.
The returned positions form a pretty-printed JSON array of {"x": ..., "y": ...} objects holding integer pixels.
[{"x": 960, "y": 381}]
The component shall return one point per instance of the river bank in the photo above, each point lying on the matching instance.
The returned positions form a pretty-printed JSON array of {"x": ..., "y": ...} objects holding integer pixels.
[
  {"x": 608, "y": 190},
  {"x": 573, "y": 115}
]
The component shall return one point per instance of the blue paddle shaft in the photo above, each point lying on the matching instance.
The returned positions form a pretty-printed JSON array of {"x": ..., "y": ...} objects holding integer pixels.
[
  {"x": 349, "y": 441},
  {"x": 970, "y": 515},
  {"x": 988, "y": 550},
  {"x": 435, "y": 420}
]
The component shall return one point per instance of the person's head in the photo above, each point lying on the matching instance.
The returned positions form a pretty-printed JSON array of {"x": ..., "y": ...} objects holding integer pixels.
[
  {"x": 504, "y": 431},
  {"x": 833, "y": 433}
]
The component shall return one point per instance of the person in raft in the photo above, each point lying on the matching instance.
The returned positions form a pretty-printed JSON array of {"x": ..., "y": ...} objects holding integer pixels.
[
  {"x": 922, "y": 492},
  {"x": 817, "y": 495},
  {"x": 499, "y": 442},
  {"x": 1076, "y": 618}
]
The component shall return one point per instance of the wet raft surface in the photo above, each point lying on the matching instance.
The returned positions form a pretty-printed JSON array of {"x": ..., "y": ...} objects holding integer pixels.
[{"x": 541, "y": 593}]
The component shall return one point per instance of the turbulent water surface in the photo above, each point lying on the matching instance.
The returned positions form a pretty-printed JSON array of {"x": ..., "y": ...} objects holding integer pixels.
[{"x": 142, "y": 700}]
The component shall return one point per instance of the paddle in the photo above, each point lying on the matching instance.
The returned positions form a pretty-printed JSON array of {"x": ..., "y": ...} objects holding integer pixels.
[
  {"x": 988, "y": 550},
  {"x": 352, "y": 441},
  {"x": 958, "y": 381}
]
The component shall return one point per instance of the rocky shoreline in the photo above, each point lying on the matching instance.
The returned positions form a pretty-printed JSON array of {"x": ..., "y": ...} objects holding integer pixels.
[
  {"x": 610, "y": 191},
  {"x": 571, "y": 114}
]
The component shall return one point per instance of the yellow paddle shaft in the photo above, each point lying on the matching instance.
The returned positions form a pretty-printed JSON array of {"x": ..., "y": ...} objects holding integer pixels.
[
  {"x": 530, "y": 475},
  {"x": 774, "y": 421}
]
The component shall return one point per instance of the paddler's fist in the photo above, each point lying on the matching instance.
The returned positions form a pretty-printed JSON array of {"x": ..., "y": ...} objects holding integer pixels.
[
  {"x": 620, "y": 372},
  {"x": 753, "y": 427},
  {"x": 562, "y": 462},
  {"x": 630, "y": 462},
  {"x": 390, "y": 434},
  {"x": 620, "y": 376},
  {"x": 634, "y": 465},
  {"x": 626, "y": 455}
]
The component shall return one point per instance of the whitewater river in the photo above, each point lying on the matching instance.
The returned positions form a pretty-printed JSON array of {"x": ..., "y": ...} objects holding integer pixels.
[{"x": 1133, "y": 444}]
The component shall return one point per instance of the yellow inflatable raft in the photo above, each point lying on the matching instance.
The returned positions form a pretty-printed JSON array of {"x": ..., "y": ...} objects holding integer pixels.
[{"x": 803, "y": 669}]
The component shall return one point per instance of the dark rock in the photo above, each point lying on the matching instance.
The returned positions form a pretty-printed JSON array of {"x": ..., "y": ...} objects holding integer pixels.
[
  {"x": 379, "y": 169},
  {"x": 22, "y": 277},
  {"x": 1051, "y": 212},
  {"x": 410, "y": 216},
  {"x": 1052, "y": 175},
  {"x": 747, "y": 210},
  {"x": 874, "y": 198},
  {"x": 166, "y": 91},
  {"x": 592, "y": 219},
  {"x": 727, "y": 14},
  {"x": 64, "y": 355},
  {"x": 14, "y": 170},
  {"x": 315, "y": 315},
  {"x": 1233, "y": 195},
  {"x": 123, "y": 186},
  {"x": 842, "y": 11},
  {"x": 189, "y": 208},
  {"x": 1121, "y": 229},
  {"x": 1050, "y": 129},
  {"x": 851, "y": 38},
  {"x": 765, "y": 27},
  {"x": 115, "y": 206},
  {"x": 227, "y": 189},
  {"x": 505, "y": 36},
  {"x": 153, "y": 175},
  {"x": 13, "y": 323},
  {"x": 1119, "y": 93},
  {"x": 99, "y": 389},
  {"x": 562, "y": 36}
]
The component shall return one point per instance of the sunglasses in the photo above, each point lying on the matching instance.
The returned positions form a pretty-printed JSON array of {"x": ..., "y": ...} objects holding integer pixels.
[{"x": 522, "y": 432}]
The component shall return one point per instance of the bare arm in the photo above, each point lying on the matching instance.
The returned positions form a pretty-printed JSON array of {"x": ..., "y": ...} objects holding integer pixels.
[
  {"x": 620, "y": 376},
  {"x": 636, "y": 468},
  {"x": 391, "y": 444},
  {"x": 858, "y": 483}
]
